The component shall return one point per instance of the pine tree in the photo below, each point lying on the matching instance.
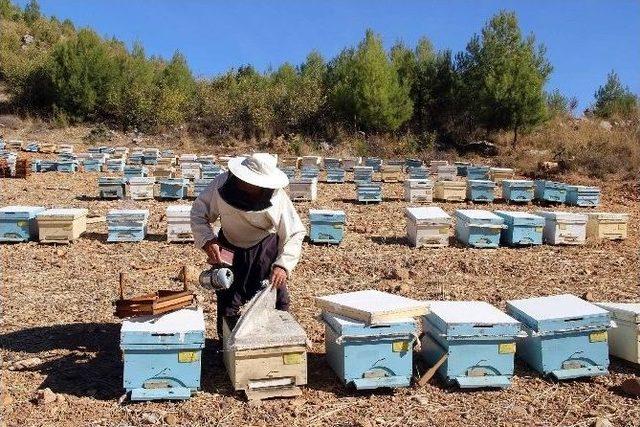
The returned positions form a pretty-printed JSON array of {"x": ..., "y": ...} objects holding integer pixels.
[{"x": 614, "y": 99}]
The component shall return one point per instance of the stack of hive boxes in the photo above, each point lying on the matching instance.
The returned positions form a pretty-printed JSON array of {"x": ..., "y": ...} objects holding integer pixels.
[
  {"x": 362, "y": 174},
  {"x": 179, "y": 223},
  {"x": 369, "y": 192},
  {"x": 141, "y": 187},
  {"x": 369, "y": 337},
  {"x": 418, "y": 190},
  {"x": 517, "y": 190},
  {"x": 61, "y": 225},
  {"x": 127, "y": 225},
  {"x": 190, "y": 170},
  {"x": 111, "y": 187}
]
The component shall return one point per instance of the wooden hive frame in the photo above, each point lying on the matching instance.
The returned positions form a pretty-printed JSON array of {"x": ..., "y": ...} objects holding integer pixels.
[{"x": 161, "y": 301}]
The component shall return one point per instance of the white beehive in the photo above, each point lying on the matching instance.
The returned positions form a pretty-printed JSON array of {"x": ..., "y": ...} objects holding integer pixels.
[
  {"x": 179, "y": 223},
  {"x": 624, "y": 340},
  {"x": 428, "y": 226},
  {"x": 303, "y": 189},
  {"x": 141, "y": 187},
  {"x": 418, "y": 190},
  {"x": 564, "y": 228}
]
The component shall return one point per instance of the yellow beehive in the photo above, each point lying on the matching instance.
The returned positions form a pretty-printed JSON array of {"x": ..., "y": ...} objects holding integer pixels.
[
  {"x": 454, "y": 191},
  {"x": 61, "y": 225},
  {"x": 601, "y": 225},
  {"x": 390, "y": 173}
]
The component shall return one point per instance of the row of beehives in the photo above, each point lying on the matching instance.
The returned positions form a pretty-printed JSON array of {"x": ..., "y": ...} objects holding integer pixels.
[
  {"x": 370, "y": 337},
  {"x": 65, "y": 225},
  {"x": 145, "y": 187},
  {"x": 430, "y": 226}
]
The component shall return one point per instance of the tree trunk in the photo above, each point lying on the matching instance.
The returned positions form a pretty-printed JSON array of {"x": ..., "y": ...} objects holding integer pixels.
[{"x": 514, "y": 143}]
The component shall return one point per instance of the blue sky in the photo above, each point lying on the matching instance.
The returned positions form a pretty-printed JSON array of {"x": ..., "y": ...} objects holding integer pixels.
[{"x": 585, "y": 39}]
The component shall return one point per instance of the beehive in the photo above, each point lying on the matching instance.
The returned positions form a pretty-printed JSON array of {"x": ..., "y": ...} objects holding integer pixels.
[
  {"x": 265, "y": 353},
  {"x": 624, "y": 340},
  {"x": 391, "y": 173},
  {"x": 127, "y": 225},
  {"x": 373, "y": 162},
  {"x": 111, "y": 187},
  {"x": 61, "y": 225},
  {"x": 564, "y": 228},
  {"x": 452, "y": 191},
  {"x": 478, "y": 172},
  {"x": 434, "y": 164},
  {"x": 413, "y": 163},
  {"x": 481, "y": 190},
  {"x": 303, "y": 189},
  {"x": 362, "y": 174},
  {"x": 290, "y": 171},
  {"x": 162, "y": 354},
  {"x": 93, "y": 165},
  {"x": 150, "y": 156},
  {"x": 602, "y": 225},
  {"x": 310, "y": 161},
  {"x": 446, "y": 173},
  {"x": 335, "y": 175},
  {"x": 47, "y": 147},
  {"x": 179, "y": 224},
  {"x": 67, "y": 166},
  {"x": 48, "y": 166},
  {"x": 211, "y": 171},
  {"x": 65, "y": 149},
  {"x": 517, "y": 190},
  {"x": 190, "y": 170},
  {"x": 18, "y": 223},
  {"x": 331, "y": 163},
  {"x": 497, "y": 175},
  {"x": 369, "y": 192},
  {"x": 188, "y": 158},
  {"x": 418, "y": 172},
  {"x": 120, "y": 152},
  {"x": 550, "y": 191},
  {"x": 566, "y": 336},
  {"x": 31, "y": 147},
  {"x": 131, "y": 171},
  {"x": 418, "y": 190},
  {"x": 522, "y": 228},
  {"x": 326, "y": 226},
  {"x": 348, "y": 163},
  {"x": 136, "y": 158},
  {"x": 141, "y": 188},
  {"x": 461, "y": 168},
  {"x": 581, "y": 195},
  {"x": 428, "y": 226},
  {"x": 290, "y": 161},
  {"x": 164, "y": 172},
  {"x": 478, "y": 228},
  {"x": 478, "y": 340},
  {"x": 370, "y": 357},
  {"x": 115, "y": 165},
  {"x": 173, "y": 188}
]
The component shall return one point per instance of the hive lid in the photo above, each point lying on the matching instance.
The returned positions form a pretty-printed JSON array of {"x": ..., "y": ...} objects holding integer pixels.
[
  {"x": 627, "y": 311},
  {"x": 482, "y": 182},
  {"x": 72, "y": 213},
  {"x": 20, "y": 211},
  {"x": 355, "y": 328},
  {"x": 262, "y": 326},
  {"x": 180, "y": 321},
  {"x": 372, "y": 306},
  {"x": 127, "y": 213},
  {"x": 433, "y": 213},
  {"x": 557, "y": 312},
  {"x": 608, "y": 216},
  {"x": 478, "y": 215},
  {"x": 521, "y": 218},
  {"x": 458, "y": 312},
  {"x": 518, "y": 182},
  {"x": 145, "y": 180},
  {"x": 563, "y": 216},
  {"x": 178, "y": 210},
  {"x": 319, "y": 214}
]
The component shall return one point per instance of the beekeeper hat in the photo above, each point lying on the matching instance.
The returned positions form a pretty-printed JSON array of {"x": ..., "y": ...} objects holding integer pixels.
[{"x": 259, "y": 169}]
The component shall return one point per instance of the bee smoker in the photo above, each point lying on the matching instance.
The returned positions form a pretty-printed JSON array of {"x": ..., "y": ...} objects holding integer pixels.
[{"x": 216, "y": 278}]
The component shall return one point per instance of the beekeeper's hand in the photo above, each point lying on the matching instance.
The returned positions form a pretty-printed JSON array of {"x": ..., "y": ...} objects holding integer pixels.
[
  {"x": 213, "y": 252},
  {"x": 278, "y": 277}
]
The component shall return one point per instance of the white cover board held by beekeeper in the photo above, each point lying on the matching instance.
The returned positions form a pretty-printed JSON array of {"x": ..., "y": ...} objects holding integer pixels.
[
  {"x": 266, "y": 352},
  {"x": 371, "y": 306}
]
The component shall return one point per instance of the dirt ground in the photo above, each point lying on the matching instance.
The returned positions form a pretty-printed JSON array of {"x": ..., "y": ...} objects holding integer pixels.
[{"x": 56, "y": 306}]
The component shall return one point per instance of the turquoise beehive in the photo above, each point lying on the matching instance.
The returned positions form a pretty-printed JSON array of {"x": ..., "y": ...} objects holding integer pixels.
[{"x": 18, "y": 223}]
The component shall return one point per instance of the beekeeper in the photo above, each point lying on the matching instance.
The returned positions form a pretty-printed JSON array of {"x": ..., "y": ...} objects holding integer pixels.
[{"x": 258, "y": 223}]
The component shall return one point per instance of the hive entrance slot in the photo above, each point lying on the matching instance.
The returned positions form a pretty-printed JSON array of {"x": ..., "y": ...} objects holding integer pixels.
[{"x": 574, "y": 319}]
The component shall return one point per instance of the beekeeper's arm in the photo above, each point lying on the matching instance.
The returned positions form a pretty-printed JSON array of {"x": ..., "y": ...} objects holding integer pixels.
[
  {"x": 204, "y": 212},
  {"x": 291, "y": 233}
]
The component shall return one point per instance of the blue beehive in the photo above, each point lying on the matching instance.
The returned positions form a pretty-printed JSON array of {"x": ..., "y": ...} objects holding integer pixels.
[
  {"x": 566, "y": 336},
  {"x": 580, "y": 195},
  {"x": 461, "y": 168},
  {"x": 550, "y": 191},
  {"x": 309, "y": 172},
  {"x": 68, "y": 166},
  {"x": 92, "y": 165},
  {"x": 96, "y": 150},
  {"x": 478, "y": 172},
  {"x": 522, "y": 229},
  {"x": 478, "y": 228},
  {"x": 48, "y": 166},
  {"x": 374, "y": 162},
  {"x": 115, "y": 165},
  {"x": 326, "y": 226},
  {"x": 111, "y": 187},
  {"x": 31, "y": 147},
  {"x": 210, "y": 171},
  {"x": 335, "y": 175},
  {"x": 127, "y": 225},
  {"x": 481, "y": 190},
  {"x": 413, "y": 163},
  {"x": 18, "y": 223},
  {"x": 163, "y": 354},
  {"x": 199, "y": 185},
  {"x": 418, "y": 172},
  {"x": 517, "y": 190},
  {"x": 370, "y": 356},
  {"x": 478, "y": 339},
  {"x": 369, "y": 192},
  {"x": 136, "y": 158},
  {"x": 362, "y": 174},
  {"x": 131, "y": 171},
  {"x": 173, "y": 188}
]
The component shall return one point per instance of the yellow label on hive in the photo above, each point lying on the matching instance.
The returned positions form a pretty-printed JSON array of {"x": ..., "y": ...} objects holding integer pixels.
[
  {"x": 562, "y": 226},
  {"x": 292, "y": 358},
  {"x": 22, "y": 223},
  {"x": 444, "y": 230},
  {"x": 507, "y": 348},
  {"x": 400, "y": 346},
  {"x": 598, "y": 336},
  {"x": 539, "y": 229},
  {"x": 187, "y": 356}
]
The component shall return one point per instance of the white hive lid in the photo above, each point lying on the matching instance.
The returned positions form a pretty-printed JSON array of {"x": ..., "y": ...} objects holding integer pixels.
[
  {"x": 460, "y": 312},
  {"x": 556, "y": 307},
  {"x": 477, "y": 214},
  {"x": 372, "y": 306},
  {"x": 64, "y": 212},
  {"x": 178, "y": 210},
  {"x": 179, "y": 321},
  {"x": 325, "y": 212},
  {"x": 609, "y": 216},
  {"x": 517, "y": 214},
  {"x": 428, "y": 212},
  {"x": 21, "y": 209},
  {"x": 629, "y": 311},
  {"x": 563, "y": 216}
]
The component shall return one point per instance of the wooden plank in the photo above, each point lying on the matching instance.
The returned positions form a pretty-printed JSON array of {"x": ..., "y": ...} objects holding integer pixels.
[
  {"x": 262, "y": 394},
  {"x": 424, "y": 379}
]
